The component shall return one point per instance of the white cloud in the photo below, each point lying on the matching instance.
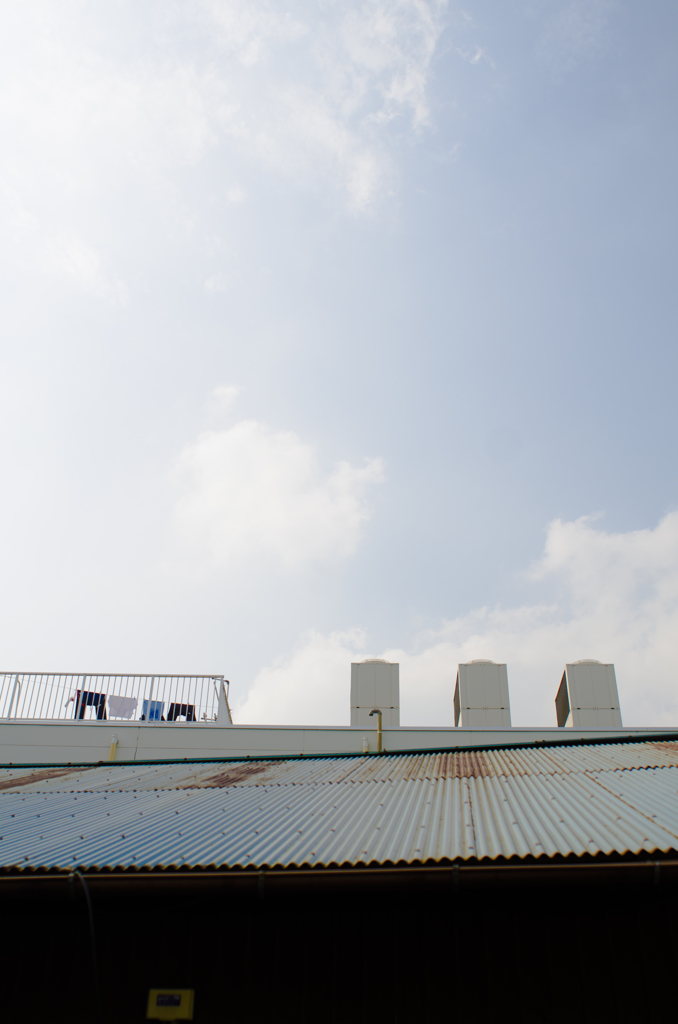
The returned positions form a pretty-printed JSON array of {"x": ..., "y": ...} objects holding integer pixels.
[
  {"x": 249, "y": 31},
  {"x": 70, "y": 259},
  {"x": 225, "y": 396},
  {"x": 619, "y": 603},
  {"x": 310, "y": 686},
  {"x": 217, "y": 283},
  {"x": 250, "y": 491}
]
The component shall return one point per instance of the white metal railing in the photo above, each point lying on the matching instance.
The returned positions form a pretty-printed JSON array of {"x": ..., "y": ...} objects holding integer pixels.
[{"x": 92, "y": 696}]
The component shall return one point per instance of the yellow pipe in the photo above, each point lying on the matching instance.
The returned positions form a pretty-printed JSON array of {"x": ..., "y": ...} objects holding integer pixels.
[{"x": 376, "y": 711}]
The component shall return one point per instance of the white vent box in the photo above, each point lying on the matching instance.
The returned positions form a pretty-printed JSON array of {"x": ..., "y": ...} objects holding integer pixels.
[
  {"x": 587, "y": 697},
  {"x": 481, "y": 696},
  {"x": 375, "y": 684}
]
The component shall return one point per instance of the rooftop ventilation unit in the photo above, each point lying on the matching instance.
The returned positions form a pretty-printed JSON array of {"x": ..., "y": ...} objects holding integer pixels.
[
  {"x": 587, "y": 696},
  {"x": 375, "y": 684},
  {"x": 481, "y": 696}
]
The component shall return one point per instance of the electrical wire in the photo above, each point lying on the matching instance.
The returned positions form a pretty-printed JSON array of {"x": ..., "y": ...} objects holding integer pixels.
[{"x": 93, "y": 943}]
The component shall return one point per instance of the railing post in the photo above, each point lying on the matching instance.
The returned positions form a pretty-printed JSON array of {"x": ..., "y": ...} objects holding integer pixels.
[
  {"x": 14, "y": 689},
  {"x": 149, "y": 716},
  {"x": 79, "y": 699}
]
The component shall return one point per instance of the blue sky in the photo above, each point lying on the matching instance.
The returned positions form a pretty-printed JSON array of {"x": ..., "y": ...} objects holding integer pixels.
[{"x": 341, "y": 329}]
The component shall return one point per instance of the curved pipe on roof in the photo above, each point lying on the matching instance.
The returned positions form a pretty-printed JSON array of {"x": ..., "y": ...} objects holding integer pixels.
[{"x": 380, "y": 734}]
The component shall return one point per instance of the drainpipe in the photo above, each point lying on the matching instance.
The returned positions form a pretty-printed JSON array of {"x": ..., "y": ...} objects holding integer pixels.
[
  {"x": 114, "y": 749},
  {"x": 376, "y": 711}
]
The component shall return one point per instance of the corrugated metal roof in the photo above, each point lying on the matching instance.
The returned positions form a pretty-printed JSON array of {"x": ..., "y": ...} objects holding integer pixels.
[{"x": 400, "y": 808}]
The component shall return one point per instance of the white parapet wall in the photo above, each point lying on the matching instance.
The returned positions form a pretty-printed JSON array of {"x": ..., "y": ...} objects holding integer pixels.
[{"x": 58, "y": 742}]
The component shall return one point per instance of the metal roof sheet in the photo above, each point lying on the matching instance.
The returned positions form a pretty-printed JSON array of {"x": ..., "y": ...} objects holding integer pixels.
[{"x": 399, "y": 808}]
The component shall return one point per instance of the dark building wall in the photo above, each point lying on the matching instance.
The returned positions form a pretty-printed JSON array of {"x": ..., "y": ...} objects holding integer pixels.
[{"x": 589, "y": 954}]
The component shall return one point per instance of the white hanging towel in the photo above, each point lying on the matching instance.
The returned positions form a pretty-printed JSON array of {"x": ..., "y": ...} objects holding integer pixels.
[{"x": 121, "y": 707}]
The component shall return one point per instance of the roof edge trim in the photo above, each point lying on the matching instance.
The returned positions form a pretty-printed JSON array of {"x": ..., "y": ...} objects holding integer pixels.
[{"x": 256, "y": 882}]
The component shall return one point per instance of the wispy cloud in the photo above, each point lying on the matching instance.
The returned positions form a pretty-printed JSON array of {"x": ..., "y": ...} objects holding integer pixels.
[
  {"x": 576, "y": 31},
  {"x": 309, "y": 98},
  {"x": 317, "y": 89},
  {"x": 306, "y": 96}
]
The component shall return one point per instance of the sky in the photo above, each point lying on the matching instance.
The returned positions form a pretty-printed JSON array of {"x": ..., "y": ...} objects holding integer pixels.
[{"x": 334, "y": 330}]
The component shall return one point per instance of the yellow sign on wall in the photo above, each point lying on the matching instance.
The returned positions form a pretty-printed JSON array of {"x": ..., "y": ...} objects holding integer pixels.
[{"x": 170, "y": 1004}]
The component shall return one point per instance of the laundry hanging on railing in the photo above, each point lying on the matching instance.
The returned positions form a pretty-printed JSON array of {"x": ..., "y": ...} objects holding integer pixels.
[
  {"x": 121, "y": 707},
  {"x": 186, "y": 711},
  {"x": 88, "y": 698},
  {"x": 152, "y": 710}
]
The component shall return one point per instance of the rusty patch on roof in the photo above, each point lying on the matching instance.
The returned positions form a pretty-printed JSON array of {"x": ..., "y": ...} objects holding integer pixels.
[
  {"x": 469, "y": 764},
  {"x": 462, "y": 764},
  {"x": 666, "y": 746},
  {"x": 40, "y": 775},
  {"x": 231, "y": 775}
]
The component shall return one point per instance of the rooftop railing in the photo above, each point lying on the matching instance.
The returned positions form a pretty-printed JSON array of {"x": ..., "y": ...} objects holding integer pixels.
[{"x": 96, "y": 697}]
